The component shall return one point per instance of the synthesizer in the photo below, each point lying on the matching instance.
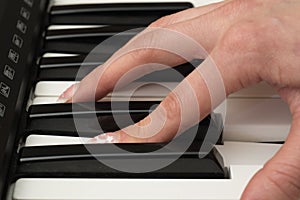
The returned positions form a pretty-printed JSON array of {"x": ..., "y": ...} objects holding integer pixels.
[{"x": 42, "y": 156}]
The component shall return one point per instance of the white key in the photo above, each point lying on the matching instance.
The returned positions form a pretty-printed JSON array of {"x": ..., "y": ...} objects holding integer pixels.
[
  {"x": 137, "y": 189},
  {"x": 46, "y": 140},
  {"x": 54, "y": 100},
  {"x": 63, "y": 27},
  {"x": 256, "y": 120},
  {"x": 246, "y": 153},
  {"x": 261, "y": 90},
  {"x": 52, "y": 88},
  {"x": 44, "y": 100},
  {"x": 47, "y": 92},
  {"x": 196, "y": 3},
  {"x": 50, "y": 55},
  {"x": 243, "y": 160},
  {"x": 56, "y": 88}
]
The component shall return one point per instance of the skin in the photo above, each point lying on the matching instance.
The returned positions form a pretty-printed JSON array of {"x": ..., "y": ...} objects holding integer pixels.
[{"x": 249, "y": 41}]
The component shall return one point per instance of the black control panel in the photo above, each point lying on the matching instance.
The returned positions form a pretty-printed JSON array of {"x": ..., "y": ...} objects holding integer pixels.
[{"x": 21, "y": 26}]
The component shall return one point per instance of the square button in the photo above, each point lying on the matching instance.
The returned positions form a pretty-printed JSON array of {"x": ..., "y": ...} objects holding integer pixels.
[
  {"x": 25, "y": 13},
  {"x": 18, "y": 41},
  {"x": 4, "y": 89},
  {"x": 9, "y": 72},
  {"x": 21, "y": 26},
  {"x": 13, "y": 56}
]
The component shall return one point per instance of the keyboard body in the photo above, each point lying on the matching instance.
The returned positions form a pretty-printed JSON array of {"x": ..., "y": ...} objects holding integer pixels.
[{"x": 256, "y": 120}]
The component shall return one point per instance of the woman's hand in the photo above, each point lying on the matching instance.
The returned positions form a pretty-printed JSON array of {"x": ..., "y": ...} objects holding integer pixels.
[{"x": 247, "y": 41}]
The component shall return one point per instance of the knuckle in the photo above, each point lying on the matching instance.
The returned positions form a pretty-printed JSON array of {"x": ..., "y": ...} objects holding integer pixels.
[
  {"x": 246, "y": 36},
  {"x": 248, "y": 4},
  {"x": 252, "y": 45},
  {"x": 172, "y": 107},
  {"x": 267, "y": 44},
  {"x": 253, "y": 35},
  {"x": 143, "y": 47},
  {"x": 162, "y": 22},
  {"x": 240, "y": 47},
  {"x": 144, "y": 55},
  {"x": 140, "y": 131},
  {"x": 250, "y": 38}
]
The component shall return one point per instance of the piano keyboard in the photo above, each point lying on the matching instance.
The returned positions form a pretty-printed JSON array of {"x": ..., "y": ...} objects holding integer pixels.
[
  {"x": 243, "y": 160},
  {"x": 50, "y": 160}
]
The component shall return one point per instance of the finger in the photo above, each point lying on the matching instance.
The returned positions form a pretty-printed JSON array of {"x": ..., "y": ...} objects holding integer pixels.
[
  {"x": 193, "y": 99},
  {"x": 167, "y": 119},
  {"x": 280, "y": 177},
  {"x": 68, "y": 93}
]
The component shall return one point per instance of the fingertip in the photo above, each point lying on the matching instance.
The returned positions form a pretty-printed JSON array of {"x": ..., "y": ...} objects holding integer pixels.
[
  {"x": 69, "y": 101},
  {"x": 66, "y": 96},
  {"x": 61, "y": 100}
]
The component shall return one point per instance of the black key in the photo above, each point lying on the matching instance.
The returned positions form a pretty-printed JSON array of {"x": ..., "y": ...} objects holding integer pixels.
[
  {"x": 73, "y": 61},
  {"x": 84, "y": 46},
  {"x": 83, "y": 41},
  {"x": 57, "y": 110},
  {"x": 88, "y": 127},
  {"x": 58, "y": 120},
  {"x": 76, "y": 161},
  {"x": 97, "y": 32},
  {"x": 70, "y": 73},
  {"x": 140, "y": 14},
  {"x": 205, "y": 168},
  {"x": 63, "y": 152},
  {"x": 44, "y": 117}
]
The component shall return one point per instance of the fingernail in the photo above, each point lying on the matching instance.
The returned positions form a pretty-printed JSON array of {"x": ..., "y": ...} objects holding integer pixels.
[
  {"x": 61, "y": 100},
  {"x": 105, "y": 138},
  {"x": 67, "y": 95}
]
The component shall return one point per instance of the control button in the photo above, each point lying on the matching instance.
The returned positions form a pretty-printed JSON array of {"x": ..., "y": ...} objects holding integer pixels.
[
  {"x": 4, "y": 89},
  {"x": 25, "y": 13},
  {"x": 21, "y": 26},
  {"x": 13, "y": 56},
  {"x": 9, "y": 72},
  {"x": 29, "y": 2},
  {"x": 18, "y": 41},
  {"x": 2, "y": 110}
]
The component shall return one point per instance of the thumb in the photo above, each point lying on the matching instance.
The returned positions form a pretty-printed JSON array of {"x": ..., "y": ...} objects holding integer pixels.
[{"x": 280, "y": 177}]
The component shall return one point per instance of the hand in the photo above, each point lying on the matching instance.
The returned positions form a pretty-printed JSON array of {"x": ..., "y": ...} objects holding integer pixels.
[{"x": 249, "y": 42}]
